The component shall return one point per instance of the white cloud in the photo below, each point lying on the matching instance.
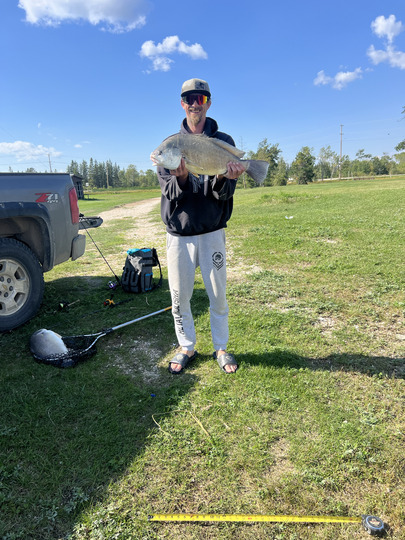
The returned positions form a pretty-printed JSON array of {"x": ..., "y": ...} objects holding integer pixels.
[
  {"x": 382, "y": 27},
  {"x": 340, "y": 80},
  {"x": 162, "y": 63},
  {"x": 387, "y": 27},
  {"x": 159, "y": 53},
  {"x": 117, "y": 16},
  {"x": 80, "y": 144},
  {"x": 23, "y": 150},
  {"x": 322, "y": 79},
  {"x": 390, "y": 54}
]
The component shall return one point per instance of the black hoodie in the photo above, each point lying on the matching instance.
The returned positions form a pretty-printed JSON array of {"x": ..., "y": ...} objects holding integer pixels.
[{"x": 205, "y": 203}]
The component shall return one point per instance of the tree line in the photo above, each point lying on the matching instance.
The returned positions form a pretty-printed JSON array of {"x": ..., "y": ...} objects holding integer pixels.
[
  {"x": 306, "y": 167},
  {"x": 97, "y": 174}
]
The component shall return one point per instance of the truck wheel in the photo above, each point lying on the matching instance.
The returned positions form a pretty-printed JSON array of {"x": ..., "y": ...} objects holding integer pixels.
[{"x": 21, "y": 284}]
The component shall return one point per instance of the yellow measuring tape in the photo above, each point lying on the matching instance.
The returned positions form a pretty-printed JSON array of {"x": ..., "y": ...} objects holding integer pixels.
[
  {"x": 371, "y": 524},
  {"x": 253, "y": 517}
]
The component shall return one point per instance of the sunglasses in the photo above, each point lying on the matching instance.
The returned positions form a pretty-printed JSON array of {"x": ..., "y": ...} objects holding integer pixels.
[{"x": 199, "y": 98}]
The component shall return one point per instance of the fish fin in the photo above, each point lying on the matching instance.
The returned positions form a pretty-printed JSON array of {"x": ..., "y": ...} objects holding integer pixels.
[
  {"x": 257, "y": 169},
  {"x": 193, "y": 168},
  {"x": 226, "y": 146}
]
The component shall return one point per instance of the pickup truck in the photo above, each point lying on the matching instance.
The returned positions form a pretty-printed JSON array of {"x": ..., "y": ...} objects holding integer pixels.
[{"x": 39, "y": 228}]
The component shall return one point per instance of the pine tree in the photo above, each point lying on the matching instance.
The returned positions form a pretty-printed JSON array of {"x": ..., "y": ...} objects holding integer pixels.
[{"x": 303, "y": 166}]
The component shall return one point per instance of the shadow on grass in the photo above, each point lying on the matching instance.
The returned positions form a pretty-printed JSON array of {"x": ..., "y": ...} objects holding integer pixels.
[
  {"x": 66, "y": 434},
  {"x": 369, "y": 365}
]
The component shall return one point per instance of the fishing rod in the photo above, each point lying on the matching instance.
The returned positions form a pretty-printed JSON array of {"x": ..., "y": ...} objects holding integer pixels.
[{"x": 111, "y": 284}]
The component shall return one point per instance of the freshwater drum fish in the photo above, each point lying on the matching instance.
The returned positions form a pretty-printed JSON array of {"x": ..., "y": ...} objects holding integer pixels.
[
  {"x": 205, "y": 155},
  {"x": 47, "y": 343}
]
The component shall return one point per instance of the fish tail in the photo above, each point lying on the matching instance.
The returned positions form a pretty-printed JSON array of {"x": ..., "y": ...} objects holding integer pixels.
[{"x": 257, "y": 169}]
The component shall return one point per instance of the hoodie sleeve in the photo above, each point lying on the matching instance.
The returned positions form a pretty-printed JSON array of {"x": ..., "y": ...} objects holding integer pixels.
[
  {"x": 223, "y": 189},
  {"x": 169, "y": 186}
]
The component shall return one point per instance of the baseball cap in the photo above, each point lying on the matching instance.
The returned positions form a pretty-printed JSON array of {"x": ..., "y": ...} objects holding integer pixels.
[{"x": 195, "y": 86}]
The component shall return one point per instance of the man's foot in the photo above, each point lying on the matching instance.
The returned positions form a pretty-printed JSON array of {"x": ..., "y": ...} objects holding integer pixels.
[
  {"x": 184, "y": 357},
  {"x": 226, "y": 361}
]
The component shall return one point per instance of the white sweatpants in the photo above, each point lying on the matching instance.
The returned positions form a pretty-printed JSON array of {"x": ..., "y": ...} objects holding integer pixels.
[{"x": 184, "y": 255}]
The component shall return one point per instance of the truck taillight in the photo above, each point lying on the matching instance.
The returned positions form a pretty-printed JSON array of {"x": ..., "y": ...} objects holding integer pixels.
[{"x": 74, "y": 207}]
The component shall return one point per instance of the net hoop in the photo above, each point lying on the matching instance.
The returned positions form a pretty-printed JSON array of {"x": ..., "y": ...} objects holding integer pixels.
[{"x": 80, "y": 348}]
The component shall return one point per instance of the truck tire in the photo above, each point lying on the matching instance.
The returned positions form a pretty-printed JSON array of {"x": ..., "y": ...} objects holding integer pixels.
[{"x": 21, "y": 284}]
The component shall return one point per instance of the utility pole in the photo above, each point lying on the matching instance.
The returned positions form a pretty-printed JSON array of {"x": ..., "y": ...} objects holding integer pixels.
[
  {"x": 49, "y": 159},
  {"x": 340, "y": 158}
]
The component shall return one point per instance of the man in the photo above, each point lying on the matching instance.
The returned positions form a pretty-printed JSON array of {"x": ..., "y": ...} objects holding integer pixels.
[{"x": 195, "y": 211}]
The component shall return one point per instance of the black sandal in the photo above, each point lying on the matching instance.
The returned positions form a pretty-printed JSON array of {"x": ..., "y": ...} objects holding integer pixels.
[
  {"x": 226, "y": 359},
  {"x": 182, "y": 359}
]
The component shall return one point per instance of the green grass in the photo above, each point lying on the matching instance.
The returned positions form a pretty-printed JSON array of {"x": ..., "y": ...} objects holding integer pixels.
[
  {"x": 312, "y": 423},
  {"x": 99, "y": 201}
]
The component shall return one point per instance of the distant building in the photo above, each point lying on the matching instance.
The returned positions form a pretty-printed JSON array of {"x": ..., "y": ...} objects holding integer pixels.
[{"x": 78, "y": 183}]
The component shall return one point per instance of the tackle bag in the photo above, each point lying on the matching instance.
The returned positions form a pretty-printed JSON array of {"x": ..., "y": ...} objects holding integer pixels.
[{"x": 137, "y": 275}]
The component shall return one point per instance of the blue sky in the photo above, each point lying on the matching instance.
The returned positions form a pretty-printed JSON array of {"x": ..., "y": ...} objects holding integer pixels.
[{"x": 102, "y": 78}]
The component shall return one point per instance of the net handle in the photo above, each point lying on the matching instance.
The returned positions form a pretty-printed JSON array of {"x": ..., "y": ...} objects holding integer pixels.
[{"x": 108, "y": 330}]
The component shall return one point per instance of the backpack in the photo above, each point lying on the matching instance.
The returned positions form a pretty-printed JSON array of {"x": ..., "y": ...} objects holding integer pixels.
[{"x": 137, "y": 275}]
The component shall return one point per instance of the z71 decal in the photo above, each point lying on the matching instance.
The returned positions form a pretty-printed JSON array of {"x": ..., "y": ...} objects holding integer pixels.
[{"x": 47, "y": 197}]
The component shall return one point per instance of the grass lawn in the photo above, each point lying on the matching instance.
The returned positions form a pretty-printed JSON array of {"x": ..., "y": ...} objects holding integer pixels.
[{"x": 313, "y": 422}]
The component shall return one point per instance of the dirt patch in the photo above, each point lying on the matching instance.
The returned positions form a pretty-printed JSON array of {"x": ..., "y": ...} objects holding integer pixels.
[
  {"x": 282, "y": 464},
  {"x": 143, "y": 363},
  {"x": 143, "y": 229},
  {"x": 138, "y": 210},
  {"x": 327, "y": 325}
]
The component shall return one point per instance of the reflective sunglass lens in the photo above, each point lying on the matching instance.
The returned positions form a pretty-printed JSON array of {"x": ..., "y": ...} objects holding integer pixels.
[{"x": 199, "y": 98}]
